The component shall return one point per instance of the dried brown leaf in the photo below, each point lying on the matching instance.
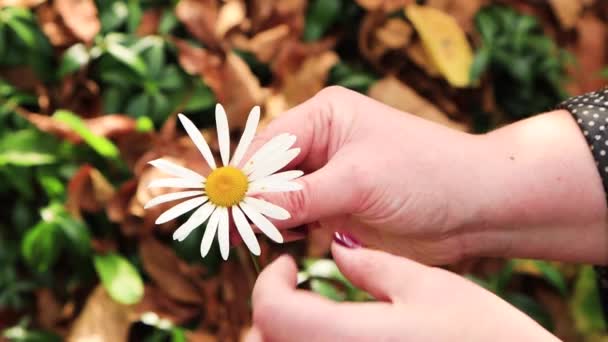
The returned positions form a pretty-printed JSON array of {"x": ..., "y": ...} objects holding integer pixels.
[
  {"x": 88, "y": 190},
  {"x": 49, "y": 309},
  {"x": 418, "y": 55},
  {"x": 230, "y": 15},
  {"x": 102, "y": 319},
  {"x": 395, "y": 33},
  {"x": 108, "y": 126},
  {"x": 80, "y": 16},
  {"x": 309, "y": 79},
  {"x": 266, "y": 44},
  {"x": 384, "y": 5},
  {"x": 590, "y": 53},
  {"x": 233, "y": 83},
  {"x": 394, "y": 93},
  {"x": 163, "y": 266},
  {"x": 149, "y": 22},
  {"x": 156, "y": 301},
  {"x": 53, "y": 26},
  {"x": 200, "y": 17},
  {"x": 567, "y": 12}
]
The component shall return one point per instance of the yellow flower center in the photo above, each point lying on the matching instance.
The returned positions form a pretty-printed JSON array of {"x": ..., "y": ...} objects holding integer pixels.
[{"x": 226, "y": 186}]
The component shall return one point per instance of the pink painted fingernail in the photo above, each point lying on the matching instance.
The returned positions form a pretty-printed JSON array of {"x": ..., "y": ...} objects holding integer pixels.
[{"x": 346, "y": 240}]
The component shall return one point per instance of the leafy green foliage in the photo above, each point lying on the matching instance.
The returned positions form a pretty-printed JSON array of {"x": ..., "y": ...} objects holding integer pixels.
[
  {"x": 526, "y": 67},
  {"x": 22, "y": 42},
  {"x": 101, "y": 145},
  {"x": 120, "y": 278}
]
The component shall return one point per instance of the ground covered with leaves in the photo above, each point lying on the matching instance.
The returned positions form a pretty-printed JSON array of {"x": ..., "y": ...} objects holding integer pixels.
[{"x": 89, "y": 92}]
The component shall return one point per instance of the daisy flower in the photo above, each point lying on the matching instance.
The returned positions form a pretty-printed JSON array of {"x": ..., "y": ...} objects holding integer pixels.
[{"x": 229, "y": 190}]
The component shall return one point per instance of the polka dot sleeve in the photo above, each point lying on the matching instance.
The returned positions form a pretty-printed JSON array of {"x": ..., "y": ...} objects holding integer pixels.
[{"x": 591, "y": 113}]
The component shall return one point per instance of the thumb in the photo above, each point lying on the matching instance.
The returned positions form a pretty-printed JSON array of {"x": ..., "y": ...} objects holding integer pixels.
[
  {"x": 383, "y": 275},
  {"x": 326, "y": 192}
]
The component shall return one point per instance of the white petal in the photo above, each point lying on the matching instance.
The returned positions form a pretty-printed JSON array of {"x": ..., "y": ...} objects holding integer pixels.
[
  {"x": 175, "y": 170},
  {"x": 198, "y": 139},
  {"x": 180, "y": 209},
  {"x": 260, "y": 188},
  {"x": 176, "y": 183},
  {"x": 223, "y": 133},
  {"x": 263, "y": 223},
  {"x": 268, "y": 209},
  {"x": 209, "y": 233},
  {"x": 247, "y": 137},
  {"x": 245, "y": 230},
  {"x": 223, "y": 231},
  {"x": 278, "y": 144},
  {"x": 280, "y": 177},
  {"x": 270, "y": 166},
  {"x": 198, "y": 217},
  {"x": 171, "y": 197}
]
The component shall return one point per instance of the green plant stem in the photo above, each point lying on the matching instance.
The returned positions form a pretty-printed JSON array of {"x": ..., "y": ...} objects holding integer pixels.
[{"x": 256, "y": 264}]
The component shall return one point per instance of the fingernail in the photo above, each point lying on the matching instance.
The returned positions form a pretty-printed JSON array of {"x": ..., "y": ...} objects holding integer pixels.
[{"x": 346, "y": 240}]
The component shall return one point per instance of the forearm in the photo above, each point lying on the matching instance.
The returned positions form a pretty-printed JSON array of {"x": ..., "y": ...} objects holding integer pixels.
[{"x": 540, "y": 194}]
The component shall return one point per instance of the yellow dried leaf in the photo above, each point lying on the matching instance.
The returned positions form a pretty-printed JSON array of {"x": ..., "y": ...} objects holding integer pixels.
[{"x": 444, "y": 41}]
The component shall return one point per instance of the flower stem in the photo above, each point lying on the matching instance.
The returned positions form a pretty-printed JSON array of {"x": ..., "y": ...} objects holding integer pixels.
[{"x": 256, "y": 265}]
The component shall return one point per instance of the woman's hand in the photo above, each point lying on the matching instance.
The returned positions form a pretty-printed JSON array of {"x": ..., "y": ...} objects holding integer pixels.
[
  {"x": 414, "y": 188},
  {"x": 416, "y": 303}
]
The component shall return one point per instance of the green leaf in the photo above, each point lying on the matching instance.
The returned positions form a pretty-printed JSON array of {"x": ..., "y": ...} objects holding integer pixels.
[
  {"x": 41, "y": 246},
  {"x": 24, "y": 158},
  {"x": 135, "y": 14},
  {"x": 552, "y": 275},
  {"x": 585, "y": 303},
  {"x": 170, "y": 78},
  {"x": 113, "y": 16},
  {"x": 120, "y": 278},
  {"x": 100, "y": 144},
  {"x": 73, "y": 59},
  {"x": 480, "y": 63},
  {"x": 202, "y": 98},
  {"x": 128, "y": 58},
  {"x": 139, "y": 105},
  {"x": 168, "y": 22},
  {"x": 321, "y": 15},
  {"x": 326, "y": 289},
  {"x": 112, "y": 99},
  {"x": 76, "y": 233},
  {"x": 21, "y": 334},
  {"x": 155, "y": 58},
  {"x": 24, "y": 31}
]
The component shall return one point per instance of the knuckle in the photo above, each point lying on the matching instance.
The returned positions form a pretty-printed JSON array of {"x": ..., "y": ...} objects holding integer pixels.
[{"x": 299, "y": 201}]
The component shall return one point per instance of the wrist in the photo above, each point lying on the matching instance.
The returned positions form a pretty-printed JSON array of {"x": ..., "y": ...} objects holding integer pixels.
[{"x": 539, "y": 194}]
